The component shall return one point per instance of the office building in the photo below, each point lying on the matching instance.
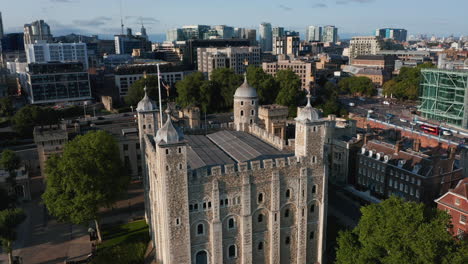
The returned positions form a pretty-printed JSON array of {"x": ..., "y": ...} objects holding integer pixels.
[
  {"x": 245, "y": 33},
  {"x": 444, "y": 96},
  {"x": 37, "y": 31},
  {"x": 125, "y": 44},
  {"x": 1, "y": 27},
  {"x": 190, "y": 54},
  {"x": 364, "y": 46},
  {"x": 277, "y": 32},
  {"x": 385, "y": 62},
  {"x": 236, "y": 196},
  {"x": 397, "y": 34},
  {"x": 40, "y": 52},
  {"x": 175, "y": 34},
  {"x": 224, "y": 32},
  {"x": 314, "y": 33},
  {"x": 231, "y": 57},
  {"x": 404, "y": 170},
  {"x": 126, "y": 75},
  {"x": 266, "y": 37},
  {"x": 305, "y": 70},
  {"x": 455, "y": 203},
  {"x": 330, "y": 34},
  {"x": 195, "y": 31},
  {"x": 54, "y": 82},
  {"x": 287, "y": 45},
  {"x": 291, "y": 33}
]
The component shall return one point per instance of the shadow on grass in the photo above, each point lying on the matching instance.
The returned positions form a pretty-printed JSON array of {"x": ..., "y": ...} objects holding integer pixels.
[{"x": 133, "y": 232}]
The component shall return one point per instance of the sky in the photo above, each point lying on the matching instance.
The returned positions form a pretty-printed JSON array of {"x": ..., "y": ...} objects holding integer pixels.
[{"x": 352, "y": 17}]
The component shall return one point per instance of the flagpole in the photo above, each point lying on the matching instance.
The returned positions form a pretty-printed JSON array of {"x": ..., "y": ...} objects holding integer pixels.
[{"x": 160, "y": 102}]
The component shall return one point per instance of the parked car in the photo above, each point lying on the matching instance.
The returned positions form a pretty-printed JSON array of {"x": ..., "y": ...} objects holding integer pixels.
[
  {"x": 403, "y": 120},
  {"x": 351, "y": 104},
  {"x": 446, "y": 133},
  {"x": 386, "y": 102}
]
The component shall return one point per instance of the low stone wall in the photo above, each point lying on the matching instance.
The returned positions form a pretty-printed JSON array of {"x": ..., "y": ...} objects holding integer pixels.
[{"x": 261, "y": 133}]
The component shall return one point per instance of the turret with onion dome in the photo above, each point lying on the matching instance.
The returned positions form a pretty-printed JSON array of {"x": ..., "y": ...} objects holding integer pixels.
[
  {"x": 146, "y": 104},
  {"x": 308, "y": 113},
  {"x": 168, "y": 134},
  {"x": 245, "y": 106}
]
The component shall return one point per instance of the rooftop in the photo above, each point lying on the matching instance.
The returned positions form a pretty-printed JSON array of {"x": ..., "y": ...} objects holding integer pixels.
[
  {"x": 228, "y": 147},
  {"x": 462, "y": 188}
]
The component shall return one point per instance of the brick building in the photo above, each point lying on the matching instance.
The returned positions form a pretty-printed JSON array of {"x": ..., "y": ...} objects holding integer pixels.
[
  {"x": 385, "y": 62},
  {"x": 455, "y": 203},
  {"x": 406, "y": 170},
  {"x": 305, "y": 70}
]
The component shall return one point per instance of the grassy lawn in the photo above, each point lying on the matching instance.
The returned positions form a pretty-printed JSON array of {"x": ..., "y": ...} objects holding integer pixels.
[
  {"x": 128, "y": 233},
  {"x": 123, "y": 243}
]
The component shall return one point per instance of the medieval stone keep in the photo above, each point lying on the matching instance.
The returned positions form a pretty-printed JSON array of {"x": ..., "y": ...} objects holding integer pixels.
[{"x": 238, "y": 195}]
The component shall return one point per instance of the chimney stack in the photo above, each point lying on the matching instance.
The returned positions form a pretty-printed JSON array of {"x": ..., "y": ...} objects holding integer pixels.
[
  {"x": 417, "y": 145},
  {"x": 398, "y": 146}
]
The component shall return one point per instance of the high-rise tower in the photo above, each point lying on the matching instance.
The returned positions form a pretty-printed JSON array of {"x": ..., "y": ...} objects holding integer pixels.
[
  {"x": 266, "y": 37},
  {"x": 1, "y": 26}
]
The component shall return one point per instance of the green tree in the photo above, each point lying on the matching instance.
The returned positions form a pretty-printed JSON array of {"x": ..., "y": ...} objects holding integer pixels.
[
  {"x": 136, "y": 90},
  {"x": 406, "y": 84},
  {"x": 357, "y": 86},
  {"x": 9, "y": 221},
  {"x": 30, "y": 116},
  {"x": 226, "y": 81},
  {"x": 267, "y": 87},
  {"x": 10, "y": 162},
  {"x": 189, "y": 90},
  {"x": 396, "y": 231},
  {"x": 89, "y": 175},
  {"x": 290, "y": 93},
  {"x": 6, "y": 106}
]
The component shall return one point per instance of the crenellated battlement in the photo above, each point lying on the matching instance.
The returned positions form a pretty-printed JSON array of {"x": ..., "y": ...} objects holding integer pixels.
[
  {"x": 261, "y": 133},
  {"x": 255, "y": 165}
]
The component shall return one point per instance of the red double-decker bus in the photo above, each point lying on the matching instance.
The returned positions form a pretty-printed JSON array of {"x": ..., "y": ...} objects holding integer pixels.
[{"x": 433, "y": 130}]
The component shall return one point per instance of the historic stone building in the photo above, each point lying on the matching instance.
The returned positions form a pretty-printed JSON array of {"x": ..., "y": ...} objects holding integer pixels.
[{"x": 234, "y": 196}]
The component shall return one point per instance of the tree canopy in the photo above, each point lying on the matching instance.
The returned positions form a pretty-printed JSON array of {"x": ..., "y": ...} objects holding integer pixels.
[
  {"x": 362, "y": 86},
  {"x": 189, "y": 90},
  {"x": 9, "y": 221},
  {"x": 30, "y": 116},
  {"x": 6, "y": 106},
  {"x": 10, "y": 162},
  {"x": 226, "y": 81},
  {"x": 136, "y": 90},
  {"x": 396, "y": 231},
  {"x": 406, "y": 84},
  {"x": 89, "y": 175},
  {"x": 290, "y": 93},
  {"x": 266, "y": 85}
]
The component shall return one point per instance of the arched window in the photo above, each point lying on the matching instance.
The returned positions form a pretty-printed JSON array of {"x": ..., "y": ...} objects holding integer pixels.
[
  {"x": 167, "y": 152},
  {"x": 260, "y": 246},
  {"x": 232, "y": 251},
  {"x": 242, "y": 102},
  {"x": 312, "y": 208},
  {"x": 200, "y": 229},
  {"x": 242, "y": 113},
  {"x": 286, "y": 213},
  {"x": 251, "y": 121},
  {"x": 180, "y": 166},
  {"x": 287, "y": 240},
  {"x": 253, "y": 102},
  {"x": 231, "y": 223},
  {"x": 260, "y": 218},
  {"x": 252, "y": 112},
  {"x": 314, "y": 189},
  {"x": 180, "y": 150},
  {"x": 288, "y": 193},
  {"x": 260, "y": 198},
  {"x": 201, "y": 257},
  {"x": 311, "y": 235}
]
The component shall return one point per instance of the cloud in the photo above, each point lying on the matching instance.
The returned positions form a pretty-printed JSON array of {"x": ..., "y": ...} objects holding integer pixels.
[
  {"x": 344, "y": 2},
  {"x": 320, "y": 5},
  {"x": 137, "y": 20},
  {"x": 95, "y": 22},
  {"x": 285, "y": 8}
]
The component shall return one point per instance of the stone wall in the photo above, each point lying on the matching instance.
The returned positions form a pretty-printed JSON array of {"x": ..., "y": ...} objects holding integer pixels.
[{"x": 261, "y": 133}]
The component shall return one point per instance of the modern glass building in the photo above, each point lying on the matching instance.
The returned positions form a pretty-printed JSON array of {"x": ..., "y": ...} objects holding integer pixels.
[
  {"x": 57, "y": 82},
  {"x": 444, "y": 96}
]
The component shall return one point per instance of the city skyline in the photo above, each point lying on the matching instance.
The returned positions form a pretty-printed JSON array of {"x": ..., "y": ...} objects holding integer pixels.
[{"x": 104, "y": 17}]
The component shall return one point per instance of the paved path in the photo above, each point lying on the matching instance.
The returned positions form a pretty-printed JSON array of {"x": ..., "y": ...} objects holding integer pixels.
[{"x": 44, "y": 241}]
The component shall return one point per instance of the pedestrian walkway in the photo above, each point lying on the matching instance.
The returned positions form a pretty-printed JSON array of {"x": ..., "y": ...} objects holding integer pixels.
[{"x": 45, "y": 241}]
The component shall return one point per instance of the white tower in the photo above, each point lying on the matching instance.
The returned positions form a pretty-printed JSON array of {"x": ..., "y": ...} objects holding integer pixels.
[
  {"x": 147, "y": 112},
  {"x": 245, "y": 106}
]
